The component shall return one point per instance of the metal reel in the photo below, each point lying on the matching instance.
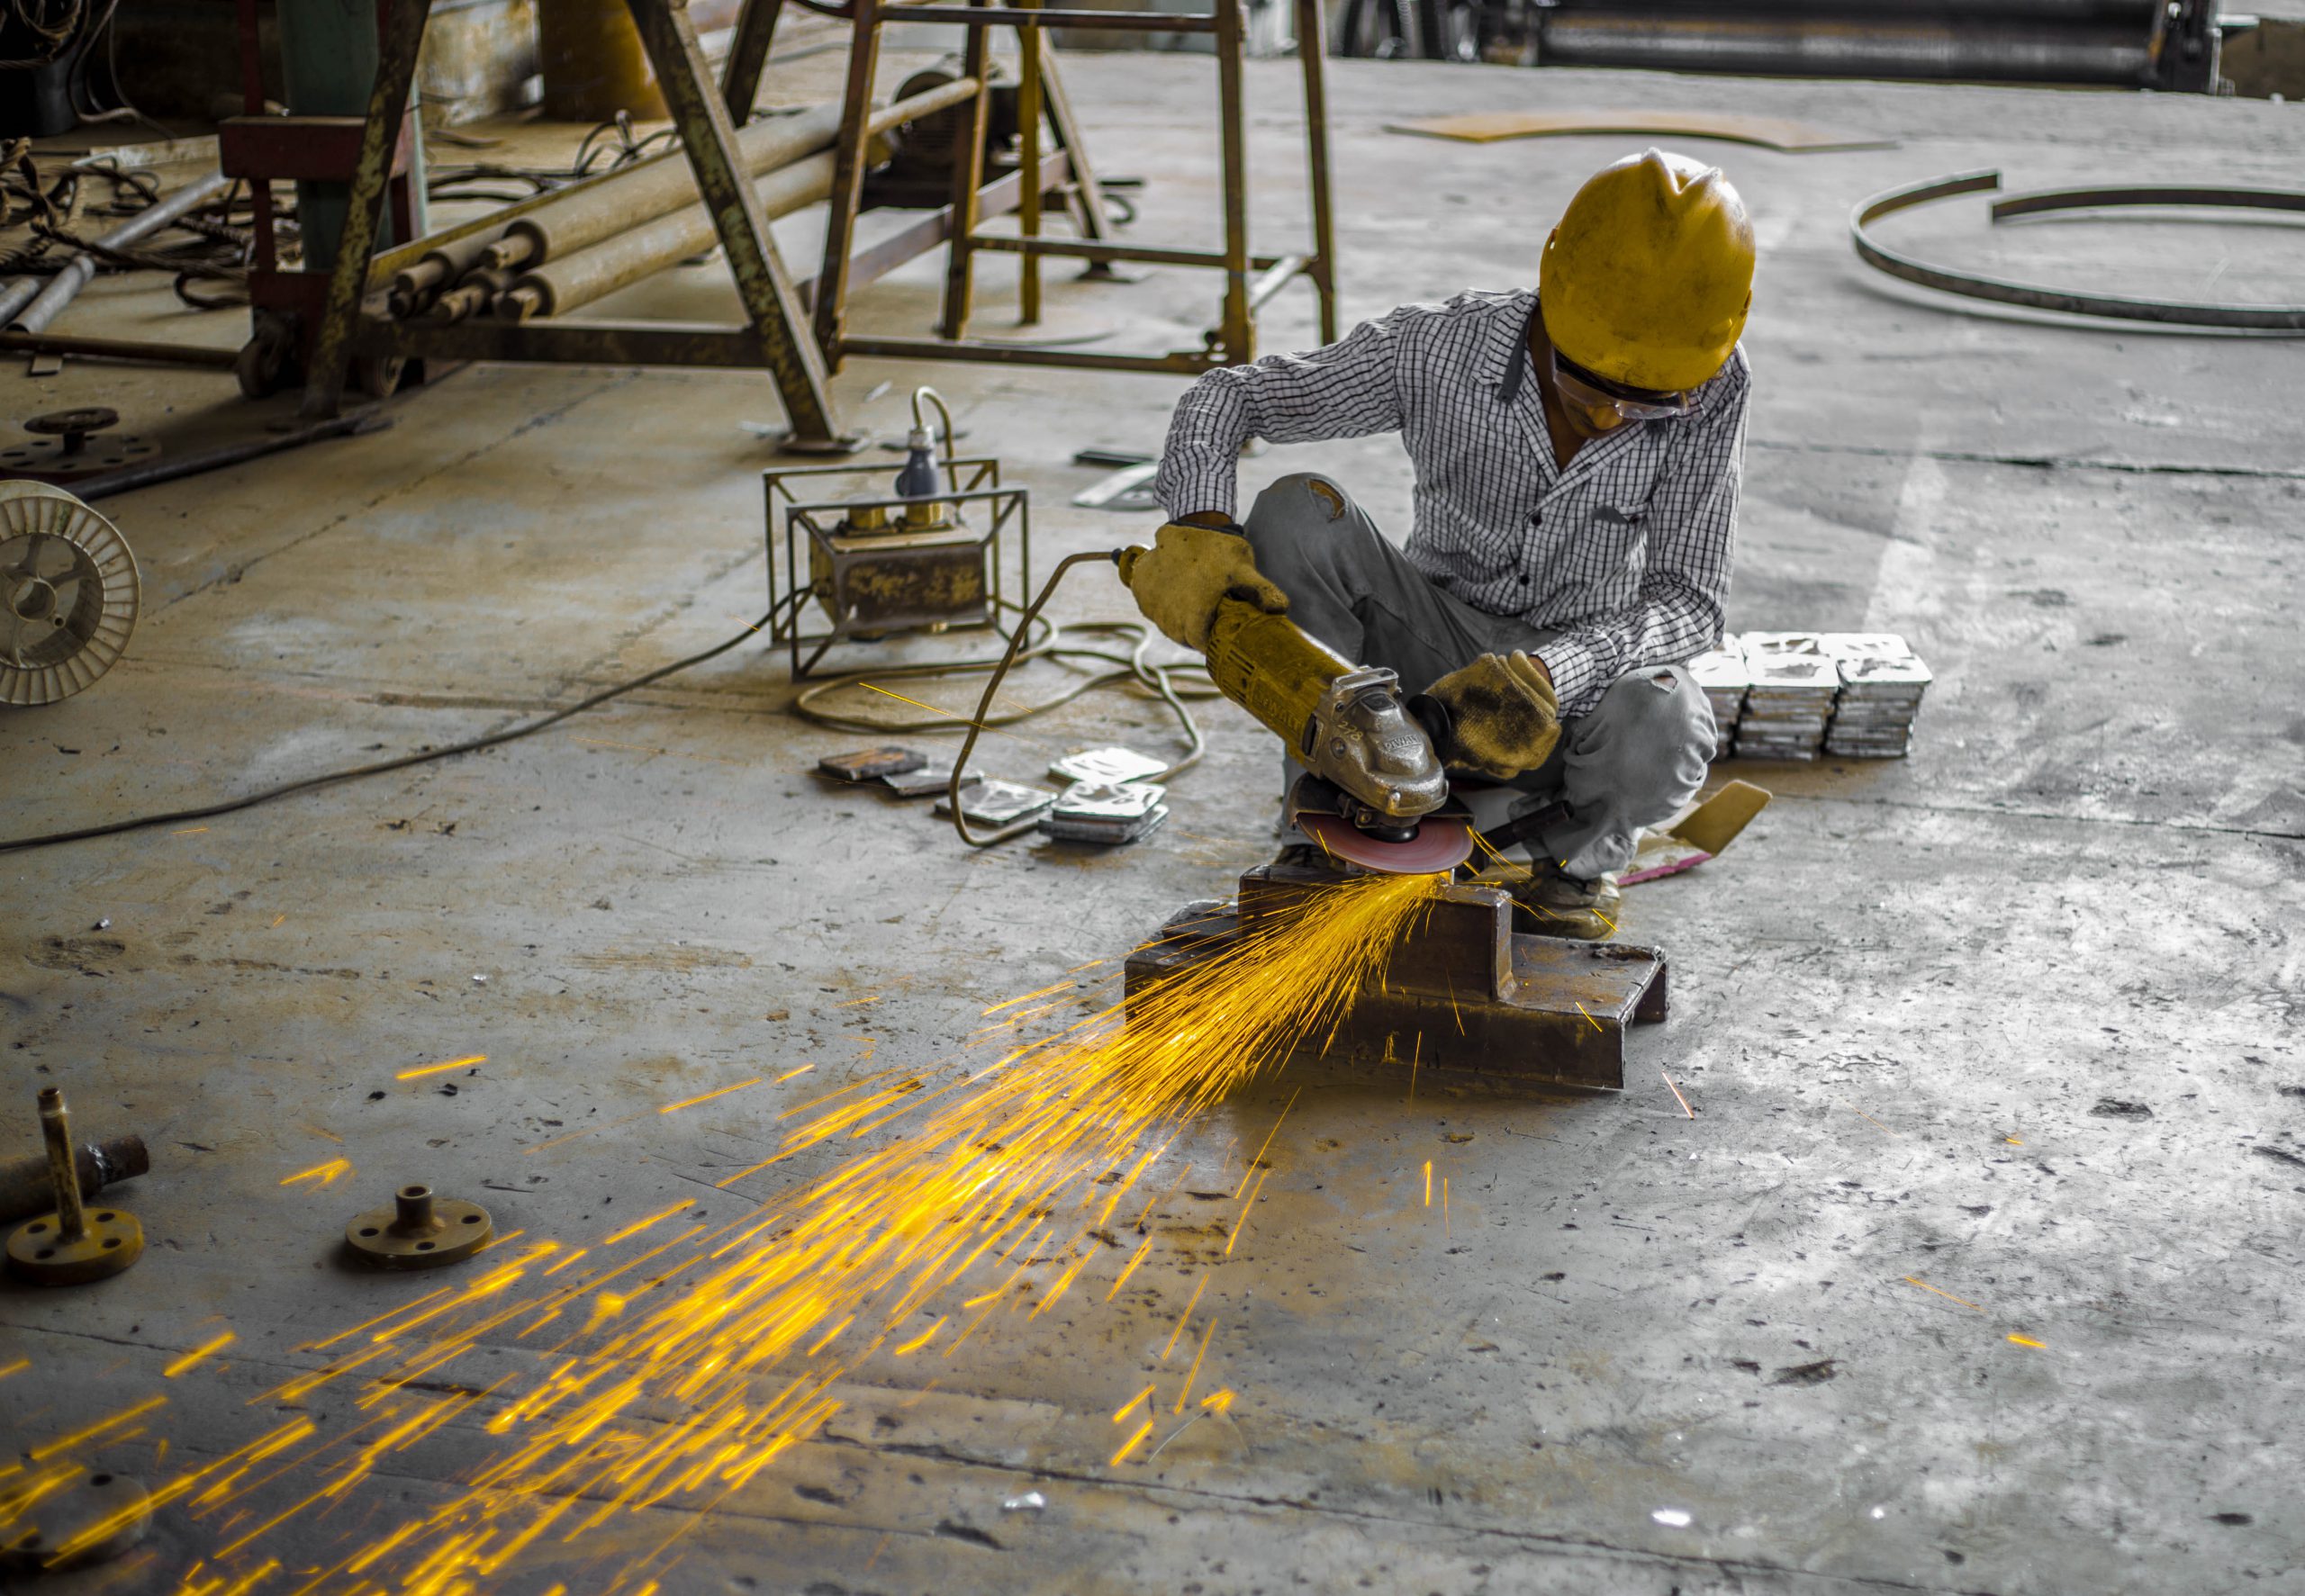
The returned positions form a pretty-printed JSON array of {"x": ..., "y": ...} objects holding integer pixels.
[{"x": 70, "y": 594}]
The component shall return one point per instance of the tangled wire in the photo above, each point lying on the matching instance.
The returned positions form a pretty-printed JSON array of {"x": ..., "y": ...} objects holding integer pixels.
[
  {"x": 43, "y": 220},
  {"x": 608, "y": 148}
]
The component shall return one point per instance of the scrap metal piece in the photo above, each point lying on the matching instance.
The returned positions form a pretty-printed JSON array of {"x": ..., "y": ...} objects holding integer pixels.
[
  {"x": 71, "y": 592},
  {"x": 1115, "y": 764},
  {"x": 1463, "y": 993},
  {"x": 870, "y": 764},
  {"x": 2116, "y": 306},
  {"x": 998, "y": 803},
  {"x": 420, "y": 1231},
  {"x": 934, "y": 776},
  {"x": 1110, "y": 812},
  {"x": 93, "y": 1519},
  {"x": 1770, "y": 132},
  {"x": 72, "y": 1244}
]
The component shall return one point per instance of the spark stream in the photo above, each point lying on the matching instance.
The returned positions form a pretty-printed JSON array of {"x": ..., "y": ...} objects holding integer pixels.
[{"x": 675, "y": 1375}]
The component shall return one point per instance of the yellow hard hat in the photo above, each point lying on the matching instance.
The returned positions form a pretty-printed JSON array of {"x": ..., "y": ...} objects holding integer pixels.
[{"x": 1647, "y": 278}]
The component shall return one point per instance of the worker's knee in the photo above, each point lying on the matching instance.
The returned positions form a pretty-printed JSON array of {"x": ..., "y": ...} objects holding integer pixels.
[
  {"x": 1301, "y": 519},
  {"x": 1652, "y": 732}
]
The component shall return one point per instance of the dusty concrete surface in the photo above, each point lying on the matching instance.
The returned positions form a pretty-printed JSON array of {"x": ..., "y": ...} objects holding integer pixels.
[{"x": 1997, "y": 1041}]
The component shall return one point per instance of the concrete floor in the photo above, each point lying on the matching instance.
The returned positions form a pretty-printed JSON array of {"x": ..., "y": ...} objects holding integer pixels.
[{"x": 1649, "y": 1352}]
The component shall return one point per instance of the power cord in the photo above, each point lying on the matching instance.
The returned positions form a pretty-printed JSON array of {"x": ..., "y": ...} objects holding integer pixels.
[{"x": 385, "y": 766}]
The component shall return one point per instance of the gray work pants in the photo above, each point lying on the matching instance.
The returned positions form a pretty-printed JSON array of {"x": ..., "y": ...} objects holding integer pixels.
[{"x": 1635, "y": 758}]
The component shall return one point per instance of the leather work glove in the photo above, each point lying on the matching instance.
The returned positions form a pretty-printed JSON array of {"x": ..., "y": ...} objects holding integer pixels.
[
  {"x": 1504, "y": 718},
  {"x": 1187, "y": 572}
]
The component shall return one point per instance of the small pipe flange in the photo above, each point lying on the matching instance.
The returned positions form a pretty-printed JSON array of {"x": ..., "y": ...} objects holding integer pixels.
[{"x": 419, "y": 1231}]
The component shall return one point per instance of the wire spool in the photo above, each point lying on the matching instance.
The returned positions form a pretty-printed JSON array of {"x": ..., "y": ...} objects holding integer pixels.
[{"x": 71, "y": 594}]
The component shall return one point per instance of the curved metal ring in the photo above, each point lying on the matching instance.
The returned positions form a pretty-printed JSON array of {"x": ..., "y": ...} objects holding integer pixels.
[{"x": 2118, "y": 306}]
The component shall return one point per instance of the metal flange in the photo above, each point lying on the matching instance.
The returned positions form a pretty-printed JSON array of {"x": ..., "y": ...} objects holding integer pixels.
[
  {"x": 419, "y": 1231},
  {"x": 94, "y": 1519},
  {"x": 75, "y": 1243},
  {"x": 69, "y": 446}
]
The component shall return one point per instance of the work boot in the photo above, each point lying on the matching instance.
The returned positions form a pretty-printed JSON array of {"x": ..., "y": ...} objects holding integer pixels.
[{"x": 1555, "y": 904}]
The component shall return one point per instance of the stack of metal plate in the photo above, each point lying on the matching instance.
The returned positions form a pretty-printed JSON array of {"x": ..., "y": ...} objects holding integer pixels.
[
  {"x": 1106, "y": 812},
  {"x": 1882, "y": 681},
  {"x": 1794, "y": 685},
  {"x": 1723, "y": 677}
]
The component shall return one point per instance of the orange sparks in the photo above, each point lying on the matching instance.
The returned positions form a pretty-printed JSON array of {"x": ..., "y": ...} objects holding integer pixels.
[
  {"x": 1588, "y": 1018},
  {"x": 442, "y": 1068},
  {"x": 1193, "y": 1373},
  {"x": 1869, "y": 1120},
  {"x": 66, "y": 1442},
  {"x": 1243, "y": 1222},
  {"x": 709, "y": 1096},
  {"x": 1136, "y": 1439},
  {"x": 677, "y": 1374},
  {"x": 17, "y": 1367},
  {"x": 206, "y": 1349},
  {"x": 2029, "y": 1341},
  {"x": 1948, "y": 1296},
  {"x": 638, "y": 1225},
  {"x": 1428, "y": 1183},
  {"x": 189, "y": 831},
  {"x": 788, "y": 1074},
  {"x": 1128, "y": 1407},
  {"x": 276, "y": 919},
  {"x": 1184, "y": 1317},
  {"x": 1268, "y": 1135},
  {"x": 921, "y": 1340},
  {"x": 1678, "y": 1097},
  {"x": 326, "y": 1173},
  {"x": 1136, "y": 1258}
]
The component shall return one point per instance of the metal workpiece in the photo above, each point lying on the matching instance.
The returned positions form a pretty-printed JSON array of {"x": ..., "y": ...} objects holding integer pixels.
[
  {"x": 2239, "y": 318},
  {"x": 27, "y": 1186},
  {"x": 74, "y": 1242},
  {"x": 419, "y": 1231},
  {"x": 1463, "y": 993}
]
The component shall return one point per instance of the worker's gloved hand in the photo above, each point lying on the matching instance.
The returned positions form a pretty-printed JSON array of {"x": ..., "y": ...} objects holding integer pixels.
[
  {"x": 1503, "y": 716},
  {"x": 1187, "y": 572}
]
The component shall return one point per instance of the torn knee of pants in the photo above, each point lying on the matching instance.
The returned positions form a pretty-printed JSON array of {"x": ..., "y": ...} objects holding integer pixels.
[
  {"x": 1329, "y": 494},
  {"x": 1665, "y": 680}
]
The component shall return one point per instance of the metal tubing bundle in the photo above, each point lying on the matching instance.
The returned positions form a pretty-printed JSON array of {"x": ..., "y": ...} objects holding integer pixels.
[{"x": 581, "y": 275}]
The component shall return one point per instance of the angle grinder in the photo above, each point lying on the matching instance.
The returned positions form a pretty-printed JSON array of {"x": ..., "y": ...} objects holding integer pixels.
[{"x": 1375, "y": 793}]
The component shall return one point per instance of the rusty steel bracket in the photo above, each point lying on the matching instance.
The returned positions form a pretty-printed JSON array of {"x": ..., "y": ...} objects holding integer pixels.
[
  {"x": 72, "y": 1244},
  {"x": 1463, "y": 993},
  {"x": 420, "y": 1231},
  {"x": 2238, "y": 317}
]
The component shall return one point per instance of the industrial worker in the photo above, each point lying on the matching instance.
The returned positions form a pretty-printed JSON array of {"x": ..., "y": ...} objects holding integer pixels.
[{"x": 1576, "y": 452}]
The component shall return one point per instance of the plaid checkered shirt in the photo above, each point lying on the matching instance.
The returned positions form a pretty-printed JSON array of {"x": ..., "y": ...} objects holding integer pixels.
[{"x": 1625, "y": 554}]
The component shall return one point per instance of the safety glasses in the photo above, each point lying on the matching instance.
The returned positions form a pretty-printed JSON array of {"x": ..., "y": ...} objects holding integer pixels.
[{"x": 1594, "y": 392}]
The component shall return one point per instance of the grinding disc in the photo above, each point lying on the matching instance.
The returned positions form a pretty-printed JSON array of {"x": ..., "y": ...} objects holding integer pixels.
[
  {"x": 68, "y": 594},
  {"x": 1440, "y": 844}
]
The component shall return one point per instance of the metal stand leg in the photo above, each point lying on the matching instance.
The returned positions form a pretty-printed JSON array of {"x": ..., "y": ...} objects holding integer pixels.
[
  {"x": 748, "y": 57},
  {"x": 1028, "y": 169},
  {"x": 364, "y": 209},
  {"x": 1089, "y": 212},
  {"x": 968, "y": 177},
  {"x": 1237, "y": 332},
  {"x": 708, "y": 137},
  {"x": 848, "y": 178},
  {"x": 1311, "y": 45}
]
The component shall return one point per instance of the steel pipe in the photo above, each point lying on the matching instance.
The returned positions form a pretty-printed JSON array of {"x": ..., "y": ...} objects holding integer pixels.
[
  {"x": 625, "y": 201},
  {"x": 1977, "y": 48},
  {"x": 583, "y": 276},
  {"x": 61, "y": 289}
]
